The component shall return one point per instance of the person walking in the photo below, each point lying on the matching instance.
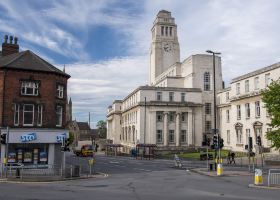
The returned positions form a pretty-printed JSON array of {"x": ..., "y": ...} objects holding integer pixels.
[
  {"x": 232, "y": 157},
  {"x": 229, "y": 158}
]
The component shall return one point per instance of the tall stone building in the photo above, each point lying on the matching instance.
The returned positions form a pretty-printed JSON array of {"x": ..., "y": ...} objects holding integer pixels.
[{"x": 175, "y": 111}]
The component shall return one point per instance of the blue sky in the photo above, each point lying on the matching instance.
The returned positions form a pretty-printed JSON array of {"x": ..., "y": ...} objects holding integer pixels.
[{"x": 105, "y": 43}]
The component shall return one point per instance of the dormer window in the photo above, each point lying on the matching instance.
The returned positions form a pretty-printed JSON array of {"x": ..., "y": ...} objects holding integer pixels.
[
  {"x": 59, "y": 90},
  {"x": 30, "y": 88}
]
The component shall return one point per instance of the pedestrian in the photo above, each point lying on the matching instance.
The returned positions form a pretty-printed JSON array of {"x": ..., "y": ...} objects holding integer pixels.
[
  {"x": 229, "y": 158},
  {"x": 232, "y": 157}
]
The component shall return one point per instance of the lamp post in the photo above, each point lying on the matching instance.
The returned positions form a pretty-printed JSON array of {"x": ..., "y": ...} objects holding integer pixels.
[{"x": 215, "y": 106}]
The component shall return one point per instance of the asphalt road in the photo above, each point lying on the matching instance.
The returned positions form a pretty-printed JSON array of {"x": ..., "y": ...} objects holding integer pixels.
[{"x": 138, "y": 179}]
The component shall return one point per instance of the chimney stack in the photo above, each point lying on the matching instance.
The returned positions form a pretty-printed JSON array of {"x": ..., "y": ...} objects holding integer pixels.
[{"x": 10, "y": 48}]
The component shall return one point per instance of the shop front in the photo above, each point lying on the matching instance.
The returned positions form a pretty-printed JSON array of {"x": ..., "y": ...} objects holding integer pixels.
[{"x": 34, "y": 146}]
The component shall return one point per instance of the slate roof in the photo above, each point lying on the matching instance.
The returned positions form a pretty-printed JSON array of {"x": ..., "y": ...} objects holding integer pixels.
[
  {"x": 27, "y": 60},
  {"x": 83, "y": 126}
]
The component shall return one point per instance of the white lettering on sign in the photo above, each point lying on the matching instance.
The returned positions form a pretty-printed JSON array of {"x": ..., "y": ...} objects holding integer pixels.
[
  {"x": 61, "y": 137},
  {"x": 28, "y": 137}
]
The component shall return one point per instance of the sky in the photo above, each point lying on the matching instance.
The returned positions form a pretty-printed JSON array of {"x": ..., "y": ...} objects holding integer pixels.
[{"x": 104, "y": 44}]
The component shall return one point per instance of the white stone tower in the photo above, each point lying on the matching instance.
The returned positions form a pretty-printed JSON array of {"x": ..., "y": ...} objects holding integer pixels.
[{"x": 165, "y": 50}]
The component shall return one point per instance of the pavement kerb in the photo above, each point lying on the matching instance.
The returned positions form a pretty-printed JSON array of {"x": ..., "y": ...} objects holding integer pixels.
[
  {"x": 5, "y": 180},
  {"x": 263, "y": 187},
  {"x": 195, "y": 170}
]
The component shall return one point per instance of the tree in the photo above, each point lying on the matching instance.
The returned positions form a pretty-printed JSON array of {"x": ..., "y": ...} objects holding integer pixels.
[
  {"x": 271, "y": 98},
  {"x": 101, "y": 125}
]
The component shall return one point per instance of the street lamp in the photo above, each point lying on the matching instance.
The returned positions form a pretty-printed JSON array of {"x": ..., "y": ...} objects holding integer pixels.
[{"x": 215, "y": 106}]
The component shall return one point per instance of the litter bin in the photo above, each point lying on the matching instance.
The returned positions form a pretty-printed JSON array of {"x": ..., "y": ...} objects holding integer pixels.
[
  {"x": 17, "y": 172},
  {"x": 211, "y": 167}
]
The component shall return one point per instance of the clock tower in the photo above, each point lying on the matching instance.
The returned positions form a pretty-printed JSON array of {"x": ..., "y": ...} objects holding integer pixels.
[{"x": 165, "y": 50}]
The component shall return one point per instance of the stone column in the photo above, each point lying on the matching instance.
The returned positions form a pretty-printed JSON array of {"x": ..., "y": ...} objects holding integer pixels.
[
  {"x": 177, "y": 129},
  {"x": 190, "y": 128},
  {"x": 165, "y": 128}
]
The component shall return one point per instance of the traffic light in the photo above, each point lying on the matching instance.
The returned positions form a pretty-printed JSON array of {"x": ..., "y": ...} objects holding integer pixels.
[
  {"x": 221, "y": 143},
  {"x": 3, "y": 138},
  {"x": 215, "y": 142},
  {"x": 259, "y": 141}
]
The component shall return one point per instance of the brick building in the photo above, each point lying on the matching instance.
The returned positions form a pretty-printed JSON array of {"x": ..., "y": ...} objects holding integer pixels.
[{"x": 33, "y": 99}]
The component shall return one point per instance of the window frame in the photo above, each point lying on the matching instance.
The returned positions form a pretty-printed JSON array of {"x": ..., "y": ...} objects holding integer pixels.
[
  {"x": 159, "y": 132},
  {"x": 238, "y": 112},
  {"x": 28, "y": 84},
  {"x": 60, "y": 91},
  {"x": 237, "y": 88},
  {"x": 171, "y": 132},
  {"x": 207, "y": 81},
  {"x": 258, "y": 109},
  {"x": 208, "y": 108},
  {"x": 23, "y": 113},
  {"x": 183, "y": 133},
  {"x": 247, "y": 86},
  {"x": 183, "y": 97},
  {"x": 61, "y": 117},
  {"x": 171, "y": 96},
  {"x": 159, "y": 94},
  {"x": 257, "y": 83},
  {"x": 40, "y": 115},
  {"x": 247, "y": 110}
]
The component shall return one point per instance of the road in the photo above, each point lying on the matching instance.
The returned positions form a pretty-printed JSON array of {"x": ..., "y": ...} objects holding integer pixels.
[{"x": 139, "y": 179}]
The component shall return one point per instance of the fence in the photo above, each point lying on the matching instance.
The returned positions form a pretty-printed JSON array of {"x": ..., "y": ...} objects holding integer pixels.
[{"x": 274, "y": 177}]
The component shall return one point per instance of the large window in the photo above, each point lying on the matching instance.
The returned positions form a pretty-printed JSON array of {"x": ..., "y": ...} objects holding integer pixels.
[
  {"x": 258, "y": 109},
  {"x": 227, "y": 116},
  {"x": 171, "y": 96},
  {"x": 228, "y": 136},
  {"x": 247, "y": 108},
  {"x": 58, "y": 115},
  {"x": 238, "y": 110},
  {"x": 159, "y": 116},
  {"x": 247, "y": 86},
  {"x": 183, "y": 136},
  {"x": 159, "y": 136},
  {"x": 16, "y": 114},
  {"x": 40, "y": 115},
  {"x": 171, "y": 136},
  {"x": 171, "y": 117},
  {"x": 184, "y": 117},
  {"x": 183, "y": 97},
  {"x": 159, "y": 96},
  {"x": 237, "y": 88},
  {"x": 28, "y": 114},
  {"x": 29, "y": 88},
  {"x": 208, "y": 126},
  {"x": 59, "y": 90},
  {"x": 239, "y": 137},
  {"x": 257, "y": 83},
  {"x": 267, "y": 80},
  {"x": 208, "y": 108},
  {"x": 207, "y": 81}
]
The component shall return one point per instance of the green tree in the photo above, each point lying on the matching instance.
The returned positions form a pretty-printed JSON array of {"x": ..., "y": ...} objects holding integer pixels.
[
  {"x": 101, "y": 125},
  {"x": 271, "y": 98},
  {"x": 71, "y": 137}
]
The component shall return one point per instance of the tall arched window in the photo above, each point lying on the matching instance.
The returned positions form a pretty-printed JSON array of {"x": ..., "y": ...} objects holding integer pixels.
[{"x": 207, "y": 81}]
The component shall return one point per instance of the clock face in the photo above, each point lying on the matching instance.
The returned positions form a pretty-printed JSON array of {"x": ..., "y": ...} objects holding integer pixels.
[{"x": 167, "y": 47}]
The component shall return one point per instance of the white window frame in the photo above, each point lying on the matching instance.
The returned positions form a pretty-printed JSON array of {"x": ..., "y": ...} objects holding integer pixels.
[
  {"x": 59, "y": 112},
  {"x": 248, "y": 111},
  {"x": 247, "y": 86},
  {"x": 23, "y": 112},
  {"x": 239, "y": 136},
  {"x": 237, "y": 88},
  {"x": 183, "y": 97},
  {"x": 159, "y": 132},
  {"x": 39, "y": 115},
  {"x": 159, "y": 96},
  {"x": 258, "y": 108},
  {"x": 238, "y": 112},
  {"x": 184, "y": 132},
  {"x": 171, "y": 132},
  {"x": 159, "y": 119},
  {"x": 208, "y": 108},
  {"x": 16, "y": 114},
  {"x": 60, "y": 91},
  {"x": 267, "y": 79},
  {"x": 34, "y": 86},
  {"x": 257, "y": 83}
]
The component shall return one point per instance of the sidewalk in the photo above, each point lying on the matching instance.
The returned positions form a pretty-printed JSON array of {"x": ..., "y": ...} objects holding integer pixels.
[{"x": 204, "y": 171}]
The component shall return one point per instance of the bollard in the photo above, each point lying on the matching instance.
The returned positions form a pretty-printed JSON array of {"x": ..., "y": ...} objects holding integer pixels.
[
  {"x": 258, "y": 177},
  {"x": 219, "y": 169}
]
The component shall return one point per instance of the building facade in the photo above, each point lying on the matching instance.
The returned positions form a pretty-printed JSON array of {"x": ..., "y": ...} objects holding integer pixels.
[
  {"x": 175, "y": 111},
  {"x": 33, "y": 98},
  {"x": 242, "y": 113}
]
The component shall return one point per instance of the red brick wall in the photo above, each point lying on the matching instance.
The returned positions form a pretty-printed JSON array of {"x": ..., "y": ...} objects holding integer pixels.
[{"x": 47, "y": 97}]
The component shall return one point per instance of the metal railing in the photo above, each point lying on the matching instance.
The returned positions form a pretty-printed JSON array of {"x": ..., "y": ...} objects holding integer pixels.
[{"x": 274, "y": 177}]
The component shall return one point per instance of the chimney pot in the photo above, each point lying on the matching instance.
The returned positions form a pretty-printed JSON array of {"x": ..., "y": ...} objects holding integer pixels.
[
  {"x": 11, "y": 39},
  {"x": 6, "y": 38},
  {"x": 16, "y": 40}
]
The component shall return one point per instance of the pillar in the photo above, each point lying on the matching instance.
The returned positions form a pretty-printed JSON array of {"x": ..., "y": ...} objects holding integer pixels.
[
  {"x": 177, "y": 129},
  {"x": 165, "y": 128},
  {"x": 190, "y": 128}
]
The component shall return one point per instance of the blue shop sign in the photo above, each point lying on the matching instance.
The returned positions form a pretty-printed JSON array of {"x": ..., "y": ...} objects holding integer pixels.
[
  {"x": 61, "y": 137},
  {"x": 28, "y": 137}
]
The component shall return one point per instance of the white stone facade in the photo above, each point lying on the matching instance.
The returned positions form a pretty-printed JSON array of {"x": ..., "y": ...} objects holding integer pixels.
[
  {"x": 176, "y": 109},
  {"x": 242, "y": 112}
]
